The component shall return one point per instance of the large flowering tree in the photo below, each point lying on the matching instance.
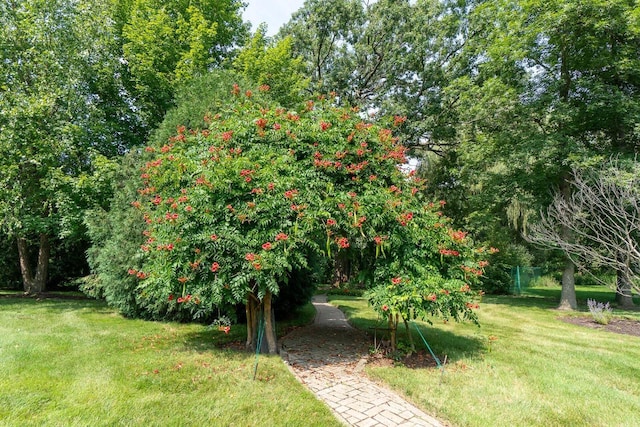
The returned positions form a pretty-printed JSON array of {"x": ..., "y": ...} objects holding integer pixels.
[{"x": 231, "y": 209}]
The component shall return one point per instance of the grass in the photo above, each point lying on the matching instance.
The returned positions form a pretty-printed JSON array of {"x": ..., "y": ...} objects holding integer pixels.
[
  {"x": 539, "y": 371},
  {"x": 78, "y": 363}
]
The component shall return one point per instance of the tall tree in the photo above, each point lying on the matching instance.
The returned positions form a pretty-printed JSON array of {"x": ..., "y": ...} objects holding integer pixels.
[
  {"x": 557, "y": 85},
  {"x": 322, "y": 31},
  {"x": 46, "y": 114},
  {"x": 273, "y": 64},
  {"x": 167, "y": 43}
]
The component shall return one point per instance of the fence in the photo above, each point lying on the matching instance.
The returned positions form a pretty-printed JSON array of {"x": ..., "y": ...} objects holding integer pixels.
[{"x": 522, "y": 278}]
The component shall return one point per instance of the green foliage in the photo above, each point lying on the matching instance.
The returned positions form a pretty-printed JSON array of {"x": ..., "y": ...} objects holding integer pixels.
[
  {"x": 115, "y": 234},
  {"x": 43, "y": 117},
  {"x": 273, "y": 64},
  {"x": 167, "y": 43},
  {"x": 204, "y": 94}
]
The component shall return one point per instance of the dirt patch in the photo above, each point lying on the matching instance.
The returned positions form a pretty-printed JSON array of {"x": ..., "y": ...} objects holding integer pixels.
[
  {"x": 418, "y": 360},
  {"x": 619, "y": 326}
]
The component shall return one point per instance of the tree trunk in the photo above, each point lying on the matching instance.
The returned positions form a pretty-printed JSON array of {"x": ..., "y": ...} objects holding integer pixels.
[
  {"x": 260, "y": 316},
  {"x": 624, "y": 297},
  {"x": 252, "y": 310},
  {"x": 568, "y": 294},
  {"x": 342, "y": 270},
  {"x": 269, "y": 324},
  {"x": 34, "y": 284},
  {"x": 409, "y": 335},
  {"x": 393, "y": 327}
]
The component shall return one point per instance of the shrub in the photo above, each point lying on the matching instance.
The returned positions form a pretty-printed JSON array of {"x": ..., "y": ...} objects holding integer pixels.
[{"x": 600, "y": 312}]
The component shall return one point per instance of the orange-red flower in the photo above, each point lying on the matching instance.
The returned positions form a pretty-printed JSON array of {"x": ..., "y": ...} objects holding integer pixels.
[
  {"x": 261, "y": 123},
  {"x": 290, "y": 194},
  {"x": 226, "y": 136},
  {"x": 267, "y": 246},
  {"x": 450, "y": 252},
  {"x": 343, "y": 242},
  {"x": 458, "y": 236},
  {"x": 215, "y": 267}
]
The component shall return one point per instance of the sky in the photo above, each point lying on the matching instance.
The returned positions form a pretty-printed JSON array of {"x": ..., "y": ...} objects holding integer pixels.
[{"x": 274, "y": 12}]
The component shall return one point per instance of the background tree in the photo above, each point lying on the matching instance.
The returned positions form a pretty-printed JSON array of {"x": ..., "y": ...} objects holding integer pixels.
[
  {"x": 603, "y": 216},
  {"x": 47, "y": 114},
  {"x": 322, "y": 32},
  {"x": 273, "y": 64},
  {"x": 551, "y": 90},
  {"x": 164, "y": 44}
]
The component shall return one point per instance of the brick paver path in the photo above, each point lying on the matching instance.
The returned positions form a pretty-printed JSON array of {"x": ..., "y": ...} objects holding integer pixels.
[{"x": 328, "y": 357}]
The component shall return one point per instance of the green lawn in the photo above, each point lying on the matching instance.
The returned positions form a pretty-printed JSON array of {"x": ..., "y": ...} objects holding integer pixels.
[
  {"x": 539, "y": 372},
  {"x": 66, "y": 363}
]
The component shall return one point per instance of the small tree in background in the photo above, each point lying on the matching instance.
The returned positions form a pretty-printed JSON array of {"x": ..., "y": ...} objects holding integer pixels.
[
  {"x": 603, "y": 215},
  {"x": 232, "y": 209}
]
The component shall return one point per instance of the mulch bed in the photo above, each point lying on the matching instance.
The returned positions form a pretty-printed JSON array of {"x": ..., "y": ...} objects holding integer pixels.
[
  {"x": 619, "y": 326},
  {"x": 418, "y": 360}
]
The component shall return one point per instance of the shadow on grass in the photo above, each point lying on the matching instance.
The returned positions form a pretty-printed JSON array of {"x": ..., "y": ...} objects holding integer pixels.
[
  {"x": 443, "y": 342},
  {"x": 52, "y": 302},
  {"x": 212, "y": 338}
]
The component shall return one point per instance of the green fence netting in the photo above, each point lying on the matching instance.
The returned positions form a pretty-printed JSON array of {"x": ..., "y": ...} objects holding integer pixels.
[{"x": 522, "y": 278}]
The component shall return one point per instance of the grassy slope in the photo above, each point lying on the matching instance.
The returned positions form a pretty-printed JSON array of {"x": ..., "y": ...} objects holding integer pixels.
[
  {"x": 78, "y": 363},
  {"x": 540, "y": 371}
]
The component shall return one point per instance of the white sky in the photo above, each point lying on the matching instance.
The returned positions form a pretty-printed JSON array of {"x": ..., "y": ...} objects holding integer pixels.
[{"x": 274, "y": 12}]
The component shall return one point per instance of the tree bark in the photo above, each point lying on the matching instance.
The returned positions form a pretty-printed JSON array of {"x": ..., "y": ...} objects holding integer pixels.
[
  {"x": 624, "y": 296},
  {"x": 269, "y": 324},
  {"x": 252, "y": 311},
  {"x": 409, "y": 335},
  {"x": 34, "y": 284},
  {"x": 260, "y": 314},
  {"x": 393, "y": 328},
  {"x": 342, "y": 270},
  {"x": 568, "y": 294}
]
